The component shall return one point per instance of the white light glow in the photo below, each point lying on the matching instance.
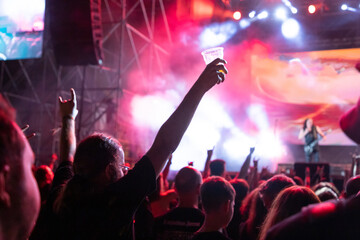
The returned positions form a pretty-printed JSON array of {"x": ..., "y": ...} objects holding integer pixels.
[
  {"x": 344, "y": 7},
  {"x": 237, "y": 15},
  {"x": 294, "y": 10},
  {"x": 244, "y": 23},
  {"x": 281, "y": 13},
  {"x": 252, "y": 14},
  {"x": 217, "y": 34},
  {"x": 311, "y": 9},
  {"x": 290, "y": 28},
  {"x": 263, "y": 15}
]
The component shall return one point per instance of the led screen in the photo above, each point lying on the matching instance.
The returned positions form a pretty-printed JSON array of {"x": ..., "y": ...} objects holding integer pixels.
[
  {"x": 294, "y": 86},
  {"x": 21, "y": 28}
]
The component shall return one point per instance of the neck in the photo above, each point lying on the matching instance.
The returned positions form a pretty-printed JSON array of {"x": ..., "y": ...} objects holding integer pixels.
[
  {"x": 188, "y": 201},
  {"x": 211, "y": 223},
  {"x": 6, "y": 233}
]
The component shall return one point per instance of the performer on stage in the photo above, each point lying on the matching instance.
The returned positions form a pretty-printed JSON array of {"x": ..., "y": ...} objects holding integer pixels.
[{"x": 310, "y": 133}]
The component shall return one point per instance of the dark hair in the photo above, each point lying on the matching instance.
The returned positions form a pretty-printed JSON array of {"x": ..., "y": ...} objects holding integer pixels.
[
  {"x": 313, "y": 128},
  {"x": 214, "y": 192},
  {"x": 275, "y": 184},
  {"x": 94, "y": 153},
  {"x": 352, "y": 186},
  {"x": 287, "y": 203},
  {"x": 254, "y": 209},
  {"x": 241, "y": 188},
  {"x": 298, "y": 181},
  {"x": 11, "y": 142},
  {"x": 217, "y": 167},
  {"x": 326, "y": 191},
  {"x": 187, "y": 180}
]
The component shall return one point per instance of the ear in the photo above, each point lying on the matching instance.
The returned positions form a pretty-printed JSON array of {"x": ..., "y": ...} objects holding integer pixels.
[
  {"x": 198, "y": 187},
  {"x": 4, "y": 195},
  {"x": 226, "y": 206},
  {"x": 111, "y": 173}
]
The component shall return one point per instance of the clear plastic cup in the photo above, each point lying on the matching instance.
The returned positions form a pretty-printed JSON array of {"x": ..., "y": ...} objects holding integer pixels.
[{"x": 212, "y": 53}]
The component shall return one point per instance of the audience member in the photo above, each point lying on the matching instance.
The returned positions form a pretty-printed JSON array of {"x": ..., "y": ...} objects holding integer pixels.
[
  {"x": 266, "y": 195},
  {"x": 241, "y": 189},
  {"x": 326, "y": 191},
  {"x": 217, "y": 168},
  {"x": 287, "y": 203},
  {"x": 298, "y": 180},
  {"x": 217, "y": 196},
  {"x": 181, "y": 222},
  {"x": 273, "y": 187},
  {"x": 352, "y": 186},
  {"x": 19, "y": 194},
  {"x": 44, "y": 177},
  {"x": 254, "y": 212}
]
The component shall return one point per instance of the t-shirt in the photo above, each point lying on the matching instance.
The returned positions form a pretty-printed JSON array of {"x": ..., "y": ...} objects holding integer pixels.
[
  {"x": 108, "y": 214},
  {"x": 328, "y": 220},
  {"x": 47, "y": 223},
  {"x": 178, "y": 224},
  {"x": 216, "y": 235}
]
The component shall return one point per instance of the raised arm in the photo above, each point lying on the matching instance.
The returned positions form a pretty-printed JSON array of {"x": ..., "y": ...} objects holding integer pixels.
[
  {"x": 245, "y": 167},
  {"x": 206, "y": 171},
  {"x": 171, "y": 132},
  {"x": 68, "y": 111}
]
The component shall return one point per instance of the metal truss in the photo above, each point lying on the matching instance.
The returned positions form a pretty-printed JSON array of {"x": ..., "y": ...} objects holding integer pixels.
[{"x": 32, "y": 86}]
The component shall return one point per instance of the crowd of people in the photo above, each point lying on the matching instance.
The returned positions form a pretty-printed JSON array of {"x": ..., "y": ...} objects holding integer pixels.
[{"x": 92, "y": 193}]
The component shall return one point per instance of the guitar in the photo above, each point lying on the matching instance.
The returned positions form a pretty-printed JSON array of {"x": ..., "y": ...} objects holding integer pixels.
[{"x": 310, "y": 147}]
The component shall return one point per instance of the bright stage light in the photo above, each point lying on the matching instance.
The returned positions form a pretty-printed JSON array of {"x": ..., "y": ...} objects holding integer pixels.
[
  {"x": 237, "y": 15},
  {"x": 252, "y": 14},
  {"x": 244, "y": 23},
  {"x": 294, "y": 10},
  {"x": 281, "y": 13},
  {"x": 312, "y": 9},
  {"x": 344, "y": 7},
  {"x": 263, "y": 15},
  {"x": 290, "y": 28},
  {"x": 217, "y": 34}
]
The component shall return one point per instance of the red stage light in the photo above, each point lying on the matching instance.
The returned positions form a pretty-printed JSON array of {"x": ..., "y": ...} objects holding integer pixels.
[
  {"x": 237, "y": 15},
  {"x": 312, "y": 9}
]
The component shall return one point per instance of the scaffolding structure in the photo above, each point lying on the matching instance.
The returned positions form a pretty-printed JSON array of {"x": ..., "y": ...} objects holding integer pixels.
[{"x": 32, "y": 85}]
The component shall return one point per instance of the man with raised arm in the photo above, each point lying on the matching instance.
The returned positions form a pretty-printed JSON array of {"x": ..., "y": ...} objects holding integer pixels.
[{"x": 98, "y": 202}]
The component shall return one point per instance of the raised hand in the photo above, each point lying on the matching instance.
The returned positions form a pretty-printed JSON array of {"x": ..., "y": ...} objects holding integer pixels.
[
  {"x": 214, "y": 73},
  {"x": 252, "y": 149},
  {"x": 68, "y": 108}
]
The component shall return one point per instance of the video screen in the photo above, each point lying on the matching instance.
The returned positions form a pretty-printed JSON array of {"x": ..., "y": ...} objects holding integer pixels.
[
  {"x": 21, "y": 29},
  {"x": 321, "y": 85}
]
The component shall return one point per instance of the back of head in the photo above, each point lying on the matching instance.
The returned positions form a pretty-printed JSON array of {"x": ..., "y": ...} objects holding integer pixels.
[
  {"x": 241, "y": 188},
  {"x": 291, "y": 200},
  {"x": 187, "y": 180},
  {"x": 257, "y": 210},
  {"x": 298, "y": 181},
  {"x": 217, "y": 167},
  {"x": 352, "y": 186},
  {"x": 214, "y": 192},
  {"x": 20, "y": 199},
  {"x": 273, "y": 186},
  {"x": 94, "y": 154},
  {"x": 44, "y": 177},
  {"x": 326, "y": 191},
  {"x": 11, "y": 144},
  {"x": 288, "y": 202}
]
